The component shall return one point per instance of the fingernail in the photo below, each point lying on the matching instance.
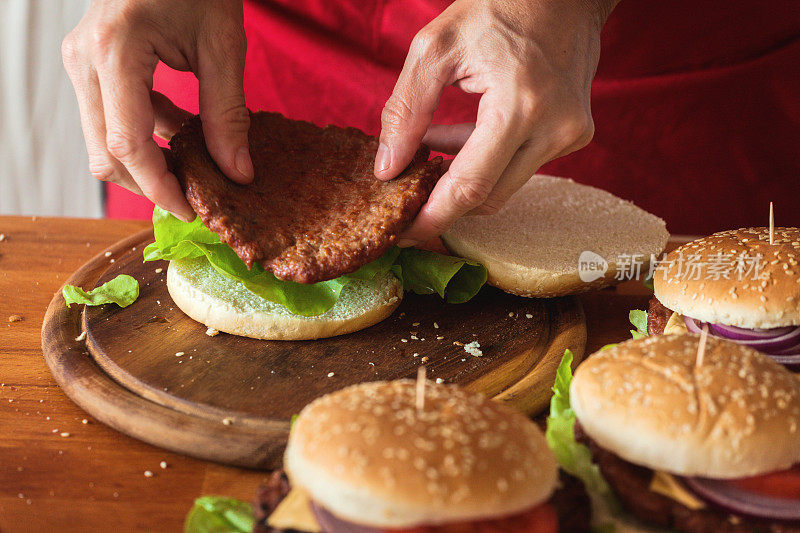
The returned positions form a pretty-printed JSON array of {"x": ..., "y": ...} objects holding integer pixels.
[
  {"x": 383, "y": 158},
  {"x": 243, "y": 162},
  {"x": 406, "y": 243}
]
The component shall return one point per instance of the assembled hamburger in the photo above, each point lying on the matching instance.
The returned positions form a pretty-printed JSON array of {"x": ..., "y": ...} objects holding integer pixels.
[
  {"x": 694, "y": 442},
  {"x": 377, "y": 457},
  {"x": 746, "y": 288}
]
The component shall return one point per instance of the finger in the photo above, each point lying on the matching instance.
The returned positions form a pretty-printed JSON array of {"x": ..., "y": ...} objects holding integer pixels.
[
  {"x": 168, "y": 116},
  {"x": 520, "y": 169},
  {"x": 473, "y": 173},
  {"x": 226, "y": 119},
  {"x": 409, "y": 110},
  {"x": 128, "y": 111},
  {"x": 448, "y": 139},
  {"x": 102, "y": 165}
]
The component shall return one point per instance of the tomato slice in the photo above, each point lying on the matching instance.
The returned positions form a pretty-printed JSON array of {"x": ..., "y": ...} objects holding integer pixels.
[
  {"x": 540, "y": 519},
  {"x": 783, "y": 484}
]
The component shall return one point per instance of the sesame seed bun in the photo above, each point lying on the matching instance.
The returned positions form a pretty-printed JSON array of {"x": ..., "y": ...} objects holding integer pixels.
[
  {"x": 367, "y": 455},
  {"x": 226, "y": 305},
  {"x": 646, "y": 401},
  {"x": 769, "y": 298},
  {"x": 531, "y": 247}
]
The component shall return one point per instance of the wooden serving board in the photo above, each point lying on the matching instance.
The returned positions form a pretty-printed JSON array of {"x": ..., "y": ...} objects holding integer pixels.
[{"x": 230, "y": 399}]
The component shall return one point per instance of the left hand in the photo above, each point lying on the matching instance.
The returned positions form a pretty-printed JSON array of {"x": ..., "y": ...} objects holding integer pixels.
[{"x": 532, "y": 61}]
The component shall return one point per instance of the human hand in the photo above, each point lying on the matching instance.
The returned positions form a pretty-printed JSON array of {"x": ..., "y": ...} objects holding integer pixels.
[
  {"x": 533, "y": 62},
  {"x": 111, "y": 56}
]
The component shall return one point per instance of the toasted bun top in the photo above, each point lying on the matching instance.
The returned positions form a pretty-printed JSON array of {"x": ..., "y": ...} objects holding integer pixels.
[
  {"x": 735, "y": 278},
  {"x": 369, "y": 456},
  {"x": 736, "y": 415},
  {"x": 533, "y": 245}
]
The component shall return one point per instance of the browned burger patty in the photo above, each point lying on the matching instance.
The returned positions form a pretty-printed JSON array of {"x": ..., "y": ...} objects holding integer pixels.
[
  {"x": 657, "y": 317},
  {"x": 570, "y": 501},
  {"x": 631, "y": 484},
  {"x": 315, "y": 211}
]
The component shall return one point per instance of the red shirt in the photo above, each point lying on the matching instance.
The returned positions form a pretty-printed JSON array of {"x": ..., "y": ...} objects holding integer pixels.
[{"x": 696, "y": 104}]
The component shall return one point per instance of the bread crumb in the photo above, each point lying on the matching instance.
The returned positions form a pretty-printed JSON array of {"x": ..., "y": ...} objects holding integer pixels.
[
  {"x": 414, "y": 338},
  {"x": 416, "y": 354},
  {"x": 112, "y": 260},
  {"x": 439, "y": 380},
  {"x": 148, "y": 473},
  {"x": 435, "y": 325},
  {"x": 473, "y": 348},
  {"x": 439, "y": 338},
  {"x": 84, "y": 421},
  {"x": 227, "y": 421},
  {"x": 415, "y": 324},
  {"x": 458, "y": 343},
  {"x": 16, "y": 318},
  {"x": 425, "y": 359},
  {"x": 163, "y": 464},
  {"x": 211, "y": 332},
  {"x": 403, "y": 340},
  {"x": 64, "y": 434},
  {"x": 81, "y": 337},
  {"x": 528, "y": 315},
  {"x": 159, "y": 270},
  {"x": 331, "y": 374}
]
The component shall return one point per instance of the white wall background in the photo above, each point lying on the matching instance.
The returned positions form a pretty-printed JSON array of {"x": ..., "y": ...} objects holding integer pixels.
[{"x": 44, "y": 169}]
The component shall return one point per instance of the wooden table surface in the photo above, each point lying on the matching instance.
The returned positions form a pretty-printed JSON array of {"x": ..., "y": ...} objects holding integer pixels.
[{"x": 62, "y": 471}]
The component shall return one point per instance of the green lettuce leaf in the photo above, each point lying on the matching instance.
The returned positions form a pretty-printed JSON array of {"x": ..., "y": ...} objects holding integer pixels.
[
  {"x": 425, "y": 272},
  {"x": 218, "y": 514},
  {"x": 421, "y": 271},
  {"x": 122, "y": 290},
  {"x": 638, "y": 319},
  {"x": 574, "y": 457}
]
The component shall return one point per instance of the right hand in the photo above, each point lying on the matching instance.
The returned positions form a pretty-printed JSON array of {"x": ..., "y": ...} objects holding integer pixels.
[{"x": 111, "y": 56}]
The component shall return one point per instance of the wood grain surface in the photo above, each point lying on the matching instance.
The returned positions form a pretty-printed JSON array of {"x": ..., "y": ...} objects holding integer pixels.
[
  {"x": 93, "y": 479},
  {"x": 151, "y": 372}
]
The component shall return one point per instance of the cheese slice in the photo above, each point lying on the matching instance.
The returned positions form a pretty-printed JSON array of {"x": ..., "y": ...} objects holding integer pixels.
[
  {"x": 294, "y": 512},
  {"x": 675, "y": 324},
  {"x": 666, "y": 485}
]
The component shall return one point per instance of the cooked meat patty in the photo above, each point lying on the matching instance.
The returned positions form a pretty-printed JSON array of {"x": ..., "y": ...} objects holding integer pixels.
[
  {"x": 315, "y": 210},
  {"x": 570, "y": 501},
  {"x": 631, "y": 484},
  {"x": 657, "y": 317}
]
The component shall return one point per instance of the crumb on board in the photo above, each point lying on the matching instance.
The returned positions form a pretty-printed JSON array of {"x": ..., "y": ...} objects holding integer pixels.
[
  {"x": 528, "y": 315},
  {"x": 107, "y": 254},
  {"x": 403, "y": 340},
  {"x": 415, "y": 324},
  {"x": 163, "y": 464},
  {"x": 211, "y": 332},
  {"x": 84, "y": 421},
  {"x": 81, "y": 337},
  {"x": 179, "y": 354},
  {"x": 458, "y": 343},
  {"x": 16, "y": 318},
  {"x": 64, "y": 434},
  {"x": 159, "y": 270},
  {"x": 439, "y": 338},
  {"x": 416, "y": 354},
  {"x": 148, "y": 473},
  {"x": 2, "y": 237},
  {"x": 510, "y": 315},
  {"x": 439, "y": 380},
  {"x": 227, "y": 421},
  {"x": 331, "y": 374},
  {"x": 414, "y": 338},
  {"x": 435, "y": 325},
  {"x": 425, "y": 359},
  {"x": 473, "y": 348}
]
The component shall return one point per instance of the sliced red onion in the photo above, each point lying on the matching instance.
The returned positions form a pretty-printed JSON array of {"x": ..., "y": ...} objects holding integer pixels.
[
  {"x": 783, "y": 343},
  {"x": 740, "y": 501}
]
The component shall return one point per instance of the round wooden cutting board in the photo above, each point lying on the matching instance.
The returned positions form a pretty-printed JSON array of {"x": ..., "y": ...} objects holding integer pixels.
[{"x": 151, "y": 372}]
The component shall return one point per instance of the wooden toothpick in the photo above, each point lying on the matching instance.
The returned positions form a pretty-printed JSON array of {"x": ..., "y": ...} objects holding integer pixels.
[
  {"x": 771, "y": 224},
  {"x": 421, "y": 375},
  {"x": 701, "y": 347}
]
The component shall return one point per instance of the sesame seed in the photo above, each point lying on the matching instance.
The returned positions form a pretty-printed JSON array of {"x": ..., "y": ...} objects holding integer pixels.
[
  {"x": 331, "y": 374},
  {"x": 159, "y": 270},
  {"x": 211, "y": 332},
  {"x": 81, "y": 337},
  {"x": 227, "y": 421},
  {"x": 107, "y": 254},
  {"x": 163, "y": 464},
  {"x": 64, "y": 434},
  {"x": 179, "y": 354},
  {"x": 148, "y": 473}
]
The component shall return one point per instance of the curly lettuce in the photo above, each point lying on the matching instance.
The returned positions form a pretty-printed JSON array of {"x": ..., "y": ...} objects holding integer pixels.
[
  {"x": 122, "y": 290},
  {"x": 423, "y": 272}
]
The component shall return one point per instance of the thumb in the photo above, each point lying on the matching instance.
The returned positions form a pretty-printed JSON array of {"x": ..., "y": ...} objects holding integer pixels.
[
  {"x": 409, "y": 110},
  {"x": 225, "y": 117}
]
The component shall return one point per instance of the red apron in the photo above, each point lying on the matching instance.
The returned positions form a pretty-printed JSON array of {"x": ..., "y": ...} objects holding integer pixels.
[{"x": 696, "y": 104}]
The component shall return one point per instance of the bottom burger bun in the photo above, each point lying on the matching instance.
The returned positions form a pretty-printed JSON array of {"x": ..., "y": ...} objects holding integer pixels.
[
  {"x": 369, "y": 456},
  {"x": 226, "y": 305},
  {"x": 555, "y": 237},
  {"x": 646, "y": 400}
]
